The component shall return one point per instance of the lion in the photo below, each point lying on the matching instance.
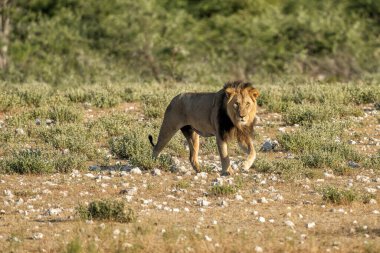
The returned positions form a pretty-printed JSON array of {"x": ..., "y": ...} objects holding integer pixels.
[{"x": 226, "y": 114}]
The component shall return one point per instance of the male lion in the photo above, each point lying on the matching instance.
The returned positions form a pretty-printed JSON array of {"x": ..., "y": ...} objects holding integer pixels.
[{"x": 225, "y": 114}]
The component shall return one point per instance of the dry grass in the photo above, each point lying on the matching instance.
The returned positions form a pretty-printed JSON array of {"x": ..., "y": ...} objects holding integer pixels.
[{"x": 169, "y": 217}]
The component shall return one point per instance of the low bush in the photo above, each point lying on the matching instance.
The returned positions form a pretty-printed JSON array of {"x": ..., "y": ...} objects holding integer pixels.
[
  {"x": 110, "y": 210},
  {"x": 336, "y": 195},
  {"x": 135, "y": 147},
  {"x": 41, "y": 160}
]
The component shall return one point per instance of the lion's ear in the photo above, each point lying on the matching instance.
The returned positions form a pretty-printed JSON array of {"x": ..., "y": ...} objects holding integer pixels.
[
  {"x": 230, "y": 92},
  {"x": 254, "y": 92}
]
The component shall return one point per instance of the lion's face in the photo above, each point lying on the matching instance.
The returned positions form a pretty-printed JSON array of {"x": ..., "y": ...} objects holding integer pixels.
[{"x": 241, "y": 105}]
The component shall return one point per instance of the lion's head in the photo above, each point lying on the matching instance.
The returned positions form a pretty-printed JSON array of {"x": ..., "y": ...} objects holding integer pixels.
[{"x": 241, "y": 103}]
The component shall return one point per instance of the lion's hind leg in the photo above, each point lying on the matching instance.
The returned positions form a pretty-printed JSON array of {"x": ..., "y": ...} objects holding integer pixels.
[{"x": 193, "y": 139}]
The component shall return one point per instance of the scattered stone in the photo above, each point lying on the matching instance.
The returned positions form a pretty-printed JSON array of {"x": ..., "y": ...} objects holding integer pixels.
[
  {"x": 258, "y": 249},
  {"x": 89, "y": 175},
  {"x": 352, "y": 142},
  {"x": 54, "y": 211},
  {"x": 223, "y": 203},
  {"x": 136, "y": 170},
  {"x": 278, "y": 197},
  {"x": 372, "y": 201},
  {"x": 38, "y": 122},
  {"x": 289, "y": 223},
  {"x": 376, "y": 212},
  {"x": 261, "y": 219},
  {"x": 203, "y": 202},
  {"x": 130, "y": 192},
  {"x": 202, "y": 175},
  {"x": 156, "y": 172},
  {"x": 49, "y": 122},
  {"x": 310, "y": 225},
  {"x": 38, "y": 236},
  {"x": 269, "y": 145},
  {"x": 207, "y": 238},
  {"x": 328, "y": 175},
  {"x": 116, "y": 232},
  {"x": 8, "y": 193},
  {"x": 254, "y": 202},
  {"x": 353, "y": 164},
  {"x": 370, "y": 190},
  {"x": 238, "y": 197},
  {"x": 20, "y": 131},
  {"x": 262, "y": 200}
]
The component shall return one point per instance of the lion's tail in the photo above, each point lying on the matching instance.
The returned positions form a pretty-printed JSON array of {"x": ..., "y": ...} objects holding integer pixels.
[{"x": 151, "y": 140}]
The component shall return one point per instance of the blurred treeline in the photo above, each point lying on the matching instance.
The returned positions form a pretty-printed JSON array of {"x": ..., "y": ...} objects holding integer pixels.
[{"x": 85, "y": 41}]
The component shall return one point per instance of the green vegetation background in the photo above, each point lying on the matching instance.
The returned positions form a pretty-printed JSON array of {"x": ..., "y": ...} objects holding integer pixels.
[{"x": 71, "y": 42}]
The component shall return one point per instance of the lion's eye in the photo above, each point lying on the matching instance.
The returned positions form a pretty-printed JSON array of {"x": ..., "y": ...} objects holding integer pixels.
[{"x": 247, "y": 104}]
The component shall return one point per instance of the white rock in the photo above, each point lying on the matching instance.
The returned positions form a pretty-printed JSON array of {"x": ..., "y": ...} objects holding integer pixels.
[
  {"x": 310, "y": 225},
  {"x": 20, "y": 131},
  {"x": 156, "y": 172},
  {"x": 261, "y": 219},
  {"x": 352, "y": 142},
  {"x": 371, "y": 190},
  {"x": 207, "y": 238},
  {"x": 223, "y": 203},
  {"x": 8, "y": 193},
  {"x": 38, "y": 236},
  {"x": 258, "y": 249},
  {"x": 262, "y": 200},
  {"x": 376, "y": 212},
  {"x": 130, "y": 191},
  {"x": 116, "y": 232},
  {"x": 328, "y": 175},
  {"x": 278, "y": 197},
  {"x": 289, "y": 223},
  {"x": 372, "y": 201},
  {"x": 202, "y": 175},
  {"x": 238, "y": 197},
  {"x": 136, "y": 170},
  {"x": 54, "y": 211},
  {"x": 203, "y": 202}
]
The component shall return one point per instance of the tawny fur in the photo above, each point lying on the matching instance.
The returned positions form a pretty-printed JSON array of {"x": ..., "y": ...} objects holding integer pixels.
[{"x": 226, "y": 114}]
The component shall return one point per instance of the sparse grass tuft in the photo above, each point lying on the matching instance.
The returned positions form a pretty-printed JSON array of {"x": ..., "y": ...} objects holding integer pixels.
[
  {"x": 336, "y": 195},
  {"x": 182, "y": 184},
  {"x": 222, "y": 190},
  {"x": 110, "y": 210},
  {"x": 288, "y": 168},
  {"x": 39, "y": 161},
  {"x": 317, "y": 146},
  {"x": 134, "y": 145},
  {"x": 74, "y": 246}
]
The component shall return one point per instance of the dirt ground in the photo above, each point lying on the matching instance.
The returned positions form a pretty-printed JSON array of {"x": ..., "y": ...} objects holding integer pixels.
[{"x": 176, "y": 213}]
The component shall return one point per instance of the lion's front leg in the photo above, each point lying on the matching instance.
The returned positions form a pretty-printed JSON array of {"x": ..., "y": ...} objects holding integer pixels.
[
  {"x": 223, "y": 152},
  {"x": 250, "y": 158}
]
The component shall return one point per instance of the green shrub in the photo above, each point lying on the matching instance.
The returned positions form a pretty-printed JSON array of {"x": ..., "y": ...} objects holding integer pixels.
[
  {"x": 288, "y": 168},
  {"x": 76, "y": 138},
  {"x": 40, "y": 161},
  {"x": 317, "y": 145},
  {"x": 110, "y": 210},
  {"x": 222, "y": 190},
  {"x": 135, "y": 147},
  {"x": 338, "y": 196}
]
